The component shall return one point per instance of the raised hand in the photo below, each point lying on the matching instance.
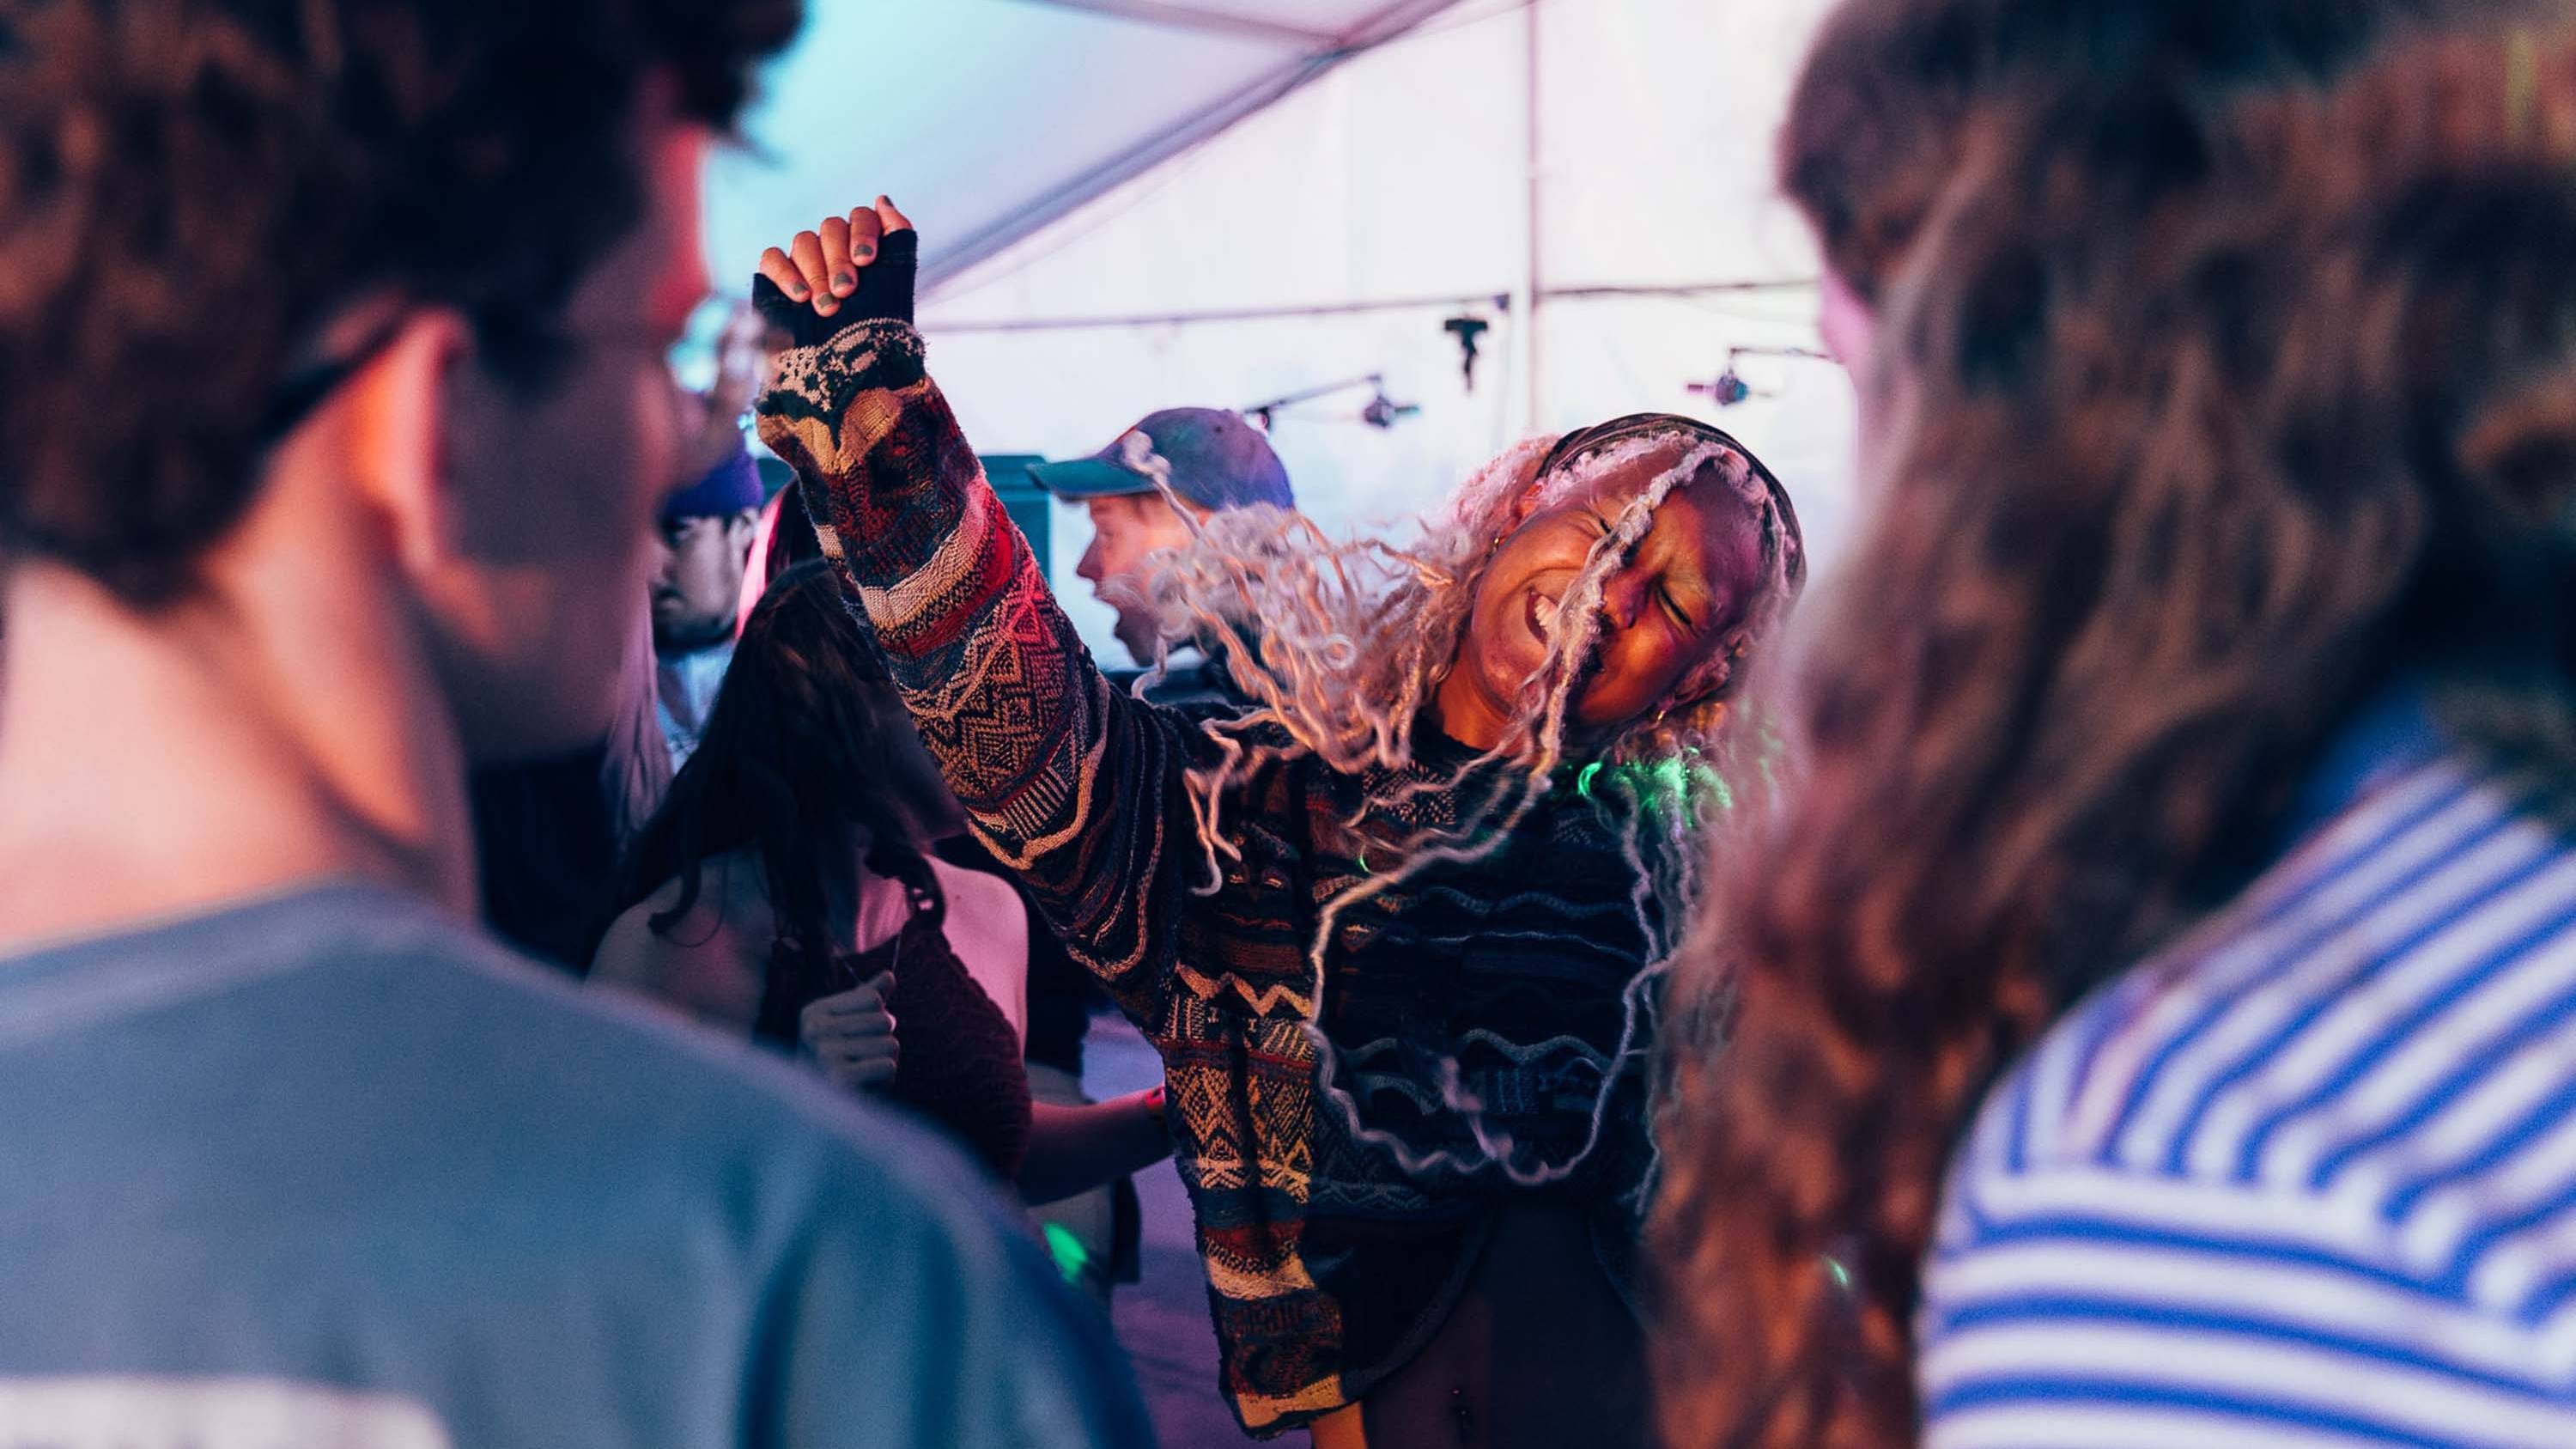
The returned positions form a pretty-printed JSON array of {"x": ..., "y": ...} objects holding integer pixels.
[
  {"x": 851, "y": 1035},
  {"x": 849, "y": 269}
]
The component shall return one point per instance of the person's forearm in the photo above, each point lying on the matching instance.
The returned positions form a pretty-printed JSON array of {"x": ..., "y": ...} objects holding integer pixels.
[
  {"x": 1074, "y": 788},
  {"x": 1075, "y": 1149},
  {"x": 891, "y": 483},
  {"x": 949, "y": 587}
]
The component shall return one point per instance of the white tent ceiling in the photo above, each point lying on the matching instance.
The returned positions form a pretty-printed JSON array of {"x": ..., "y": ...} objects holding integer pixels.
[
  {"x": 1149, "y": 209},
  {"x": 995, "y": 116}
]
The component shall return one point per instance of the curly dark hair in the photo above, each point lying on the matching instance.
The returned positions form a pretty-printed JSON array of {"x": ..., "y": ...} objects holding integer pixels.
[
  {"x": 1890, "y": 88},
  {"x": 190, "y": 189},
  {"x": 807, "y": 741},
  {"x": 2210, "y": 429}
]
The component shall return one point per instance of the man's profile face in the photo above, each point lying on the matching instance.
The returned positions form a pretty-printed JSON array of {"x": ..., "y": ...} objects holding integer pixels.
[
  {"x": 1125, "y": 529},
  {"x": 697, "y": 583},
  {"x": 555, "y": 487}
]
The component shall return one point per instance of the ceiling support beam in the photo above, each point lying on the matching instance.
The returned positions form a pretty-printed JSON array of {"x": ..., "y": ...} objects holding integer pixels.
[{"x": 1183, "y": 17}]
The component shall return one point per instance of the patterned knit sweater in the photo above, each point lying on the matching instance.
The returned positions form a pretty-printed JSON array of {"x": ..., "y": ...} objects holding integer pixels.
[{"x": 1328, "y": 1264}]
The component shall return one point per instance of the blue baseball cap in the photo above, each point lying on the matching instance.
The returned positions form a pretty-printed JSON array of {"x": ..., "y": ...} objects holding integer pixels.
[
  {"x": 730, "y": 487},
  {"x": 1210, "y": 456}
]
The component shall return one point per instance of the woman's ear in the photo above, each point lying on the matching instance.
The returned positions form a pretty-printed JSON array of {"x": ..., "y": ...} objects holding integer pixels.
[
  {"x": 1715, "y": 678},
  {"x": 1512, "y": 476},
  {"x": 1524, "y": 495}
]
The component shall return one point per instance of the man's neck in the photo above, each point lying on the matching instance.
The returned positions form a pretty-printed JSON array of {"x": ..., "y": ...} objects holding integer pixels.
[
  {"x": 157, "y": 763},
  {"x": 674, "y": 651}
]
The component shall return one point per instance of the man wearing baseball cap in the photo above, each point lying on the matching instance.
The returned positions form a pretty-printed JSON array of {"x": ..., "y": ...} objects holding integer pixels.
[
  {"x": 706, "y": 538},
  {"x": 1212, "y": 459}
]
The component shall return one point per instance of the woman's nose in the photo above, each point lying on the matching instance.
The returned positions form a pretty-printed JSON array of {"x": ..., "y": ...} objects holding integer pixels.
[{"x": 1623, "y": 595}]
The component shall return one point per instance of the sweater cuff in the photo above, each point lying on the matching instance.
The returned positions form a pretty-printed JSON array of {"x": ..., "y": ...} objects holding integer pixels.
[{"x": 818, "y": 384}]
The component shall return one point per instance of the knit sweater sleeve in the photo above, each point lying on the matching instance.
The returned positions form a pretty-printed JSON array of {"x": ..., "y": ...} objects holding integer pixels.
[{"x": 1073, "y": 785}]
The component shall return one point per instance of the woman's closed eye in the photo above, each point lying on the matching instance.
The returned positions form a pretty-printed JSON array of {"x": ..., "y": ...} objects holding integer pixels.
[{"x": 1673, "y": 606}]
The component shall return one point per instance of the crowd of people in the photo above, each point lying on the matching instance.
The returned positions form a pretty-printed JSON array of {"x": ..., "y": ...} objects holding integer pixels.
[{"x": 2101, "y": 973}]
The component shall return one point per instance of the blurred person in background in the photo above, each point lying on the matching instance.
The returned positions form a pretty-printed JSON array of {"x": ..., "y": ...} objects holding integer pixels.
[
  {"x": 704, "y": 544},
  {"x": 2194, "y": 885},
  {"x": 706, "y": 534},
  {"x": 1395, "y": 929},
  {"x": 1095, "y": 1234},
  {"x": 787, "y": 892},
  {"x": 334, "y": 402},
  {"x": 549, "y": 833},
  {"x": 1148, "y": 493}
]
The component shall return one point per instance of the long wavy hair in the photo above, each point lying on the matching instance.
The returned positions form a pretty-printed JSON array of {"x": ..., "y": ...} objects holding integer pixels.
[
  {"x": 808, "y": 761},
  {"x": 1340, "y": 647},
  {"x": 2201, "y": 433},
  {"x": 1891, "y": 89},
  {"x": 1343, "y": 644}
]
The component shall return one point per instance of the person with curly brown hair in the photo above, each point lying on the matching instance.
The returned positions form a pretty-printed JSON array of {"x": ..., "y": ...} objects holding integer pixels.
[
  {"x": 2152, "y": 1026},
  {"x": 334, "y": 409},
  {"x": 1890, "y": 90}
]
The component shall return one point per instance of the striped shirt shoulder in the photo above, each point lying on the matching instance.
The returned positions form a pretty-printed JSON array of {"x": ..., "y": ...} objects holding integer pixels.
[{"x": 2307, "y": 1176}]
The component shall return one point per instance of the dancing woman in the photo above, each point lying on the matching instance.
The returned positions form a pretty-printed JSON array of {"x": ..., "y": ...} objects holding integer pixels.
[{"x": 1394, "y": 930}]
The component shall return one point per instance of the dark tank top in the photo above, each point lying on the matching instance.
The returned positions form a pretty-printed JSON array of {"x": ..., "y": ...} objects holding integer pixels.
[{"x": 959, "y": 1059}]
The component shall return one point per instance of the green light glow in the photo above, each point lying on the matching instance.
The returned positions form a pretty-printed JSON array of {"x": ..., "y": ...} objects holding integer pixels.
[
  {"x": 1676, "y": 787},
  {"x": 1072, "y": 1259}
]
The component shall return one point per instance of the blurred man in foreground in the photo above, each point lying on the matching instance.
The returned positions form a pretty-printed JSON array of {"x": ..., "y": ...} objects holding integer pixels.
[{"x": 334, "y": 411}]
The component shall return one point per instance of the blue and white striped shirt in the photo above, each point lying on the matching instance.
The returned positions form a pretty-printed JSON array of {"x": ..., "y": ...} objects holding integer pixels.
[{"x": 2306, "y": 1178}]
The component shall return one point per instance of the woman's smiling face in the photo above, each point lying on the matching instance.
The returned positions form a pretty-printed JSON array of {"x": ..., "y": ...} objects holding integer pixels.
[{"x": 1682, "y": 594}]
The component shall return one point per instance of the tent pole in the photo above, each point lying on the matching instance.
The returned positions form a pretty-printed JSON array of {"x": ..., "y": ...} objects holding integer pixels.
[
  {"x": 1523, "y": 407},
  {"x": 933, "y": 320}
]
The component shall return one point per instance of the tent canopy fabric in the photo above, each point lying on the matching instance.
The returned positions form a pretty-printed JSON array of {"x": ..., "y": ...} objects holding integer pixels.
[
  {"x": 1588, "y": 181},
  {"x": 980, "y": 112}
]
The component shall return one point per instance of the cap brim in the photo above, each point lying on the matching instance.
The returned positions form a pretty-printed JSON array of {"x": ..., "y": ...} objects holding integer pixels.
[{"x": 1088, "y": 478}]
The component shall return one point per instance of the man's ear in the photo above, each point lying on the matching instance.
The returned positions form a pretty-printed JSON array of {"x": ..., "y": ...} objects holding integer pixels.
[
  {"x": 741, "y": 526},
  {"x": 393, "y": 436},
  {"x": 1168, "y": 518}
]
